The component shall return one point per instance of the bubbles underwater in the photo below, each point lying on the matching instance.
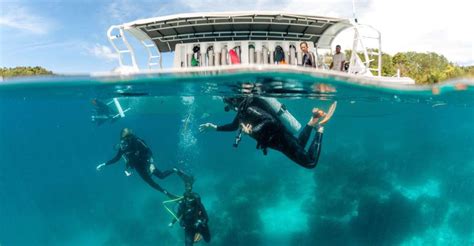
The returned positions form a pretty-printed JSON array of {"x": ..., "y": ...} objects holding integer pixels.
[{"x": 396, "y": 168}]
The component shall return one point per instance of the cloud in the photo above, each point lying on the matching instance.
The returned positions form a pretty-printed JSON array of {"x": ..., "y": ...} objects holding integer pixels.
[
  {"x": 322, "y": 7},
  {"x": 102, "y": 52},
  {"x": 22, "y": 18},
  {"x": 424, "y": 26},
  {"x": 124, "y": 10}
]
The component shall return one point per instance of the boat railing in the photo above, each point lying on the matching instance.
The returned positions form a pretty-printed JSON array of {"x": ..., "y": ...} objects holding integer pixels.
[{"x": 116, "y": 34}]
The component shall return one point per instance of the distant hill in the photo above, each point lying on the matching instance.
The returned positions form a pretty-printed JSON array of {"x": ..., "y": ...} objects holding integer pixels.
[{"x": 24, "y": 71}]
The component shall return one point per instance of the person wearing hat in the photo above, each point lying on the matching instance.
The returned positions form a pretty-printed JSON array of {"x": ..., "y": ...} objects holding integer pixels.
[{"x": 138, "y": 156}]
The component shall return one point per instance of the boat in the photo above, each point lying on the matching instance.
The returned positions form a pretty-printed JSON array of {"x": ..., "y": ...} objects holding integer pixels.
[{"x": 223, "y": 42}]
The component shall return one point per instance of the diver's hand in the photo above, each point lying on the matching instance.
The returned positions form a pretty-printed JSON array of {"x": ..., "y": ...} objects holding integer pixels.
[
  {"x": 100, "y": 166},
  {"x": 128, "y": 173},
  {"x": 206, "y": 127},
  {"x": 246, "y": 128},
  {"x": 170, "y": 224}
]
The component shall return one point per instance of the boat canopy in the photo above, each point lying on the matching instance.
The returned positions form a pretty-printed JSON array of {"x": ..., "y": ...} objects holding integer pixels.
[{"x": 167, "y": 31}]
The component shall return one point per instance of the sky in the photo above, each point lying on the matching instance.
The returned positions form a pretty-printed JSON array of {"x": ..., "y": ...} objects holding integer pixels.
[{"x": 70, "y": 36}]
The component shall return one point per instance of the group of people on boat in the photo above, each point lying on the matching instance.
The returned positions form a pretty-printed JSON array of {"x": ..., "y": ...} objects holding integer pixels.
[
  {"x": 264, "y": 119},
  {"x": 308, "y": 58}
]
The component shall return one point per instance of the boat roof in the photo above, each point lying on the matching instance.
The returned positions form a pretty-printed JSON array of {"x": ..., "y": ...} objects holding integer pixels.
[{"x": 167, "y": 31}]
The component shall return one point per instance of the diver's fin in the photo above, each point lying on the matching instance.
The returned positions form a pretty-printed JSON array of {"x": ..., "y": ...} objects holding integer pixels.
[
  {"x": 331, "y": 110},
  {"x": 99, "y": 119},
  {"x": 111, "y": 110},
  {"x": 197, "y": 237}
]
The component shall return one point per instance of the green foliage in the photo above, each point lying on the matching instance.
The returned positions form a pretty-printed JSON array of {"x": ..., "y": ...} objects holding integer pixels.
[
  {"x": 424, "y": 68},
  {"x": 24, "y": 71},
  {"x": 468, "y": 71}
]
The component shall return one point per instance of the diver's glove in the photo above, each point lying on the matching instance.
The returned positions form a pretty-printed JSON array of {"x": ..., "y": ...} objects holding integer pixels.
[
  {"x": 128, "y": 173},
  {"x": 170, "y": 224},
  {"x": 100, "y": 166},
  {"x": 207, "y": 127}
]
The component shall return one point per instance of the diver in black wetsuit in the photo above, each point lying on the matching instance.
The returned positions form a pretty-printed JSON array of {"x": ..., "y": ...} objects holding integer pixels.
[
  {"x": 138, "y": 156},
  {"x": 257, "y": 119},
  {"x": 192, "y": 217},
  {"x": 103, "y": 112}
]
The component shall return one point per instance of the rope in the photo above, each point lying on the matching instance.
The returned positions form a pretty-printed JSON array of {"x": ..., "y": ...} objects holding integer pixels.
[{"x": 168, "y": 209}]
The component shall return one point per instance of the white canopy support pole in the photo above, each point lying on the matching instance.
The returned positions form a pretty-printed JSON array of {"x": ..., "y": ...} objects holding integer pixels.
[
  {"x": 151, "y": 57},
  {"x": 354, "y": 11},
  {"x": 111, "y": 40},
  {"x": 128, "y": 50}
]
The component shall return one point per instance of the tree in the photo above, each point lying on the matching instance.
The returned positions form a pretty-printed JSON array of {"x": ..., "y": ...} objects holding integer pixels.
[{"x": 24, "y": 71}]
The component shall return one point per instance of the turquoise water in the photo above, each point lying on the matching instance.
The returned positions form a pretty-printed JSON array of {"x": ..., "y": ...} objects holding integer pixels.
[{"x": 396, "y": 168}]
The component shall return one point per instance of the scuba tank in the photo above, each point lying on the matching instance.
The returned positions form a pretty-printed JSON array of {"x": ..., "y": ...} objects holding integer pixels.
[
  {"x": 292, "y": 54},
  {"x": 279, "y": 55},
  {"x": 251, "y": 54},
  {"x": 283, "y": 114},
  {"x": 224, "y": 56},
  {"x": 210, "y": 56},
  {"x": 265, "y": 55}
]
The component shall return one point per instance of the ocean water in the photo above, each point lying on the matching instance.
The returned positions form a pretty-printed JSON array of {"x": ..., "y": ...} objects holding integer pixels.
[{"x": 396, "y": 167}]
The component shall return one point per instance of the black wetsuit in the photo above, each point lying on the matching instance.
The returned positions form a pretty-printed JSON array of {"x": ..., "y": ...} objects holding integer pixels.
[
  {"x": 102, "y": 112},
  {"x": 193, "y": 218},
  {"x": 139, "y": 157},
  {"x": 271, "y": 133}
]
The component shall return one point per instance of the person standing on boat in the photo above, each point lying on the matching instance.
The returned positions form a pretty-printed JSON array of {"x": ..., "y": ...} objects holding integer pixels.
[
  {"x": 192, "y": 217},
  {"x": 138, "y": 156},
  {"x": 338, "y": 60},
  {"x": 257, "y": 119},
  {"x": 308, "y": 57}
]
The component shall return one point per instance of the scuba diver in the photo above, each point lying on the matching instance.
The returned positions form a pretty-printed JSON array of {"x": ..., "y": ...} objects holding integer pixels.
[
  {"x": 192, "y": 217},
  {"x": 138, "y": 156},
  {"x": 259, "y": 119},
  {"x": 103, "y": 112}
]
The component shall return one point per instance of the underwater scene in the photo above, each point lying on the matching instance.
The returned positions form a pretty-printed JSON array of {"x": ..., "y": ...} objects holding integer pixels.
[{"x": 392, "y": 166}]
